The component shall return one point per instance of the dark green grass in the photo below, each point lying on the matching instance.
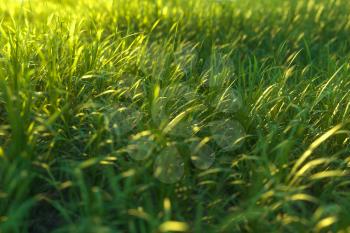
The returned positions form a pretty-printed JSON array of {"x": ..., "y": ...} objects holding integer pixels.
[{"x": 82, "y": 81}]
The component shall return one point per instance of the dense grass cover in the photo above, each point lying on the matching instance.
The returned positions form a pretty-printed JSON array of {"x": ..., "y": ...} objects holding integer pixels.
[{"x": 174, "y": 116}]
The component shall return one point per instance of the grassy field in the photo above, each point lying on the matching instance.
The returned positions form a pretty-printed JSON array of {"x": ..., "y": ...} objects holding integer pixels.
[{"x": 174, "y": 116}]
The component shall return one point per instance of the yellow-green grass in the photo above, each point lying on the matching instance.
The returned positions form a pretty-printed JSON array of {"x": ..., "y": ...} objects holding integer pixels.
[{"x": 174, "y": 116}]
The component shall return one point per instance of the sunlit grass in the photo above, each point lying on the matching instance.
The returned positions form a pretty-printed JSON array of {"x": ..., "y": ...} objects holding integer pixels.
[{"x": 174, "y": 116}]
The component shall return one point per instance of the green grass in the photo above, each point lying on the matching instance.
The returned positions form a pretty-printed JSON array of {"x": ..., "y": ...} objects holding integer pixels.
[{"x": 174, "y": 116}]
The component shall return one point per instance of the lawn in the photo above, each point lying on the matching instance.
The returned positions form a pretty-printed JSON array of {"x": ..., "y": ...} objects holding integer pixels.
[{"x": 150, "y": 116}]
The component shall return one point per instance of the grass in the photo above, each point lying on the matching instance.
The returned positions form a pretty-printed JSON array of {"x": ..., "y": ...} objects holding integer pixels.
[{"x": 174, "y": 116}]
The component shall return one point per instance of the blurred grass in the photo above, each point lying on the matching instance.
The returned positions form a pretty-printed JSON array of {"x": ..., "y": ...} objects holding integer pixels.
[{"x": 69, "y": 70}]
